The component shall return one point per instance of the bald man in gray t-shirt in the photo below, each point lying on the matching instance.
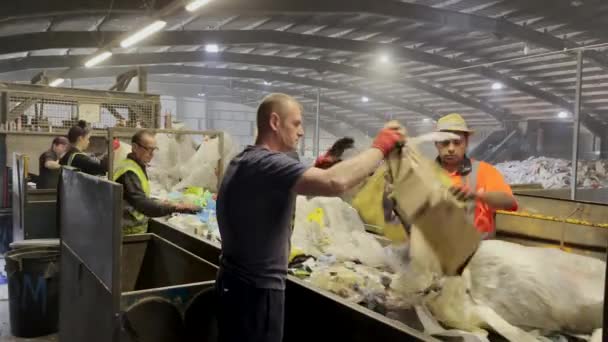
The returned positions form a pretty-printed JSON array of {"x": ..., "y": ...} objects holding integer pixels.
[{"x": 255, "y": 211}]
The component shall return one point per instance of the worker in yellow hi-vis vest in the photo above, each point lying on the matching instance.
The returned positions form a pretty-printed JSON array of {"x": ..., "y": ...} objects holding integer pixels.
[{"x": 131, "y": 173}]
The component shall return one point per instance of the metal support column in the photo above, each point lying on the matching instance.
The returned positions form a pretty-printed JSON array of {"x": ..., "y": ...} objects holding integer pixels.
[
  {"x": 208, "y": 119},
  {"x": 317, "y": 135},
  {"x": 577, "y": 123},
  {"x": 142, "y": 80},
  {"x": 4, "y": 107},
  {"x": 604, "y": 146}
]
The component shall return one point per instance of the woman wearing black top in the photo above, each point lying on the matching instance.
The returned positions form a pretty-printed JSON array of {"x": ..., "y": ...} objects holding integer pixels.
[
  {"x": 49, "y": 167},
  {"x": 79, "y": 136}
]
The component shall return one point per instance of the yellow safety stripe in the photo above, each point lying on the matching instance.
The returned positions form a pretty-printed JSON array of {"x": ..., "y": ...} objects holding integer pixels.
[
  {"x": 554, "y": 219},
  {"x": 127, "y": 165}
]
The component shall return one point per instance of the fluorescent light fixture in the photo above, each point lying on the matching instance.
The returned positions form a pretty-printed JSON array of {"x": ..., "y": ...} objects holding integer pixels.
[
  {"x": 384, "y": 58},
  {"x": 212, "y": 48},
  {"x": 267, "y": 83},
  {"x": 97, "y": 59},
  {"x": 497, "y": 86},
  {"x": 56, "y": 82},
  {"x": 196, "y": 4},
  {"x": 201, "y": 94},
  {"x": 562, "y": 115},
  {"x": 143, "y": 33},
  {"x": 364, "y": 99}
]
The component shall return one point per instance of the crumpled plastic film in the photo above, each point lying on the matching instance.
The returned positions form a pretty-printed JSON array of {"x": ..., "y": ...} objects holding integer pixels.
[
  {"x": 178, "y": 165},
  {"x": 540, "y": 288},
  {"x": 325, "y": 225}
]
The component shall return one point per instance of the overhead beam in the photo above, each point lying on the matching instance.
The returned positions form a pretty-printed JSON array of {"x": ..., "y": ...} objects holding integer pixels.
[
  {"x": 88, "y": 39},
  {"x": 270, "y": 76},
  {"x": 465, "y": 22},
  {"x": 49, "y": 40},
  {"x": 245, "y": 74},
  {"x": 9, "y": 10},
  {"x": 39, "y": 62}
]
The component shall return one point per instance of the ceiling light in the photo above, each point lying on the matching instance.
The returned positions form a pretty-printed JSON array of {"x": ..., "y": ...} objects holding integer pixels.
[
  {"x": 562, "y": 115},
  {"x": 201, "y": 94},
  {"x": 364, "y": 99},
  {"x": 98, "y": 59},
  {"x": 497, "y": 86},
  {"x": 267, "y": 83},
  {"x": 426, "y": 120},
  {"x": 212, "y": 48},
  {"x": 384, "y": 58},
  {"x": 56, "y": 82},
  {"x": 196, "y": 4},
  {"x": 143, "y": 33}
]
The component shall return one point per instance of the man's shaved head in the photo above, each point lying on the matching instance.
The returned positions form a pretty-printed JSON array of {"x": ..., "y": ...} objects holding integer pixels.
[
  {"x": 279, "y": 118},
  {"x": 273, "y": 103}
]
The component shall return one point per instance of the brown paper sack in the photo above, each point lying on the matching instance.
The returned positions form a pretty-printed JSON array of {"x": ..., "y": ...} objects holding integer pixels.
[{"x": 422, "y": 198}]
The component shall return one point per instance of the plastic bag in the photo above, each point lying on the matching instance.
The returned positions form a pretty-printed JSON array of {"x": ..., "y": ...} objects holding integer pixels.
[
  {"x": 508, "y": 288},
  {"x": 325, "y": 225},
  {"x": 542, "y": 288},
  {"x": 369, "y": 203}
]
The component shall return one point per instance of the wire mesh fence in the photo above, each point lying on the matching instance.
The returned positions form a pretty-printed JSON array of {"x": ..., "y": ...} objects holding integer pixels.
[{"x": 63, "y": 110}]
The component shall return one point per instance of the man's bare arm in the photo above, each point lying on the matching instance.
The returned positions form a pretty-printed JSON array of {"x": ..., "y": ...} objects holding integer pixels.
[
  {"x": 345, "y": 175},
  {"x": 340, "y": 177},
  {"x": 498, "y": 200}
]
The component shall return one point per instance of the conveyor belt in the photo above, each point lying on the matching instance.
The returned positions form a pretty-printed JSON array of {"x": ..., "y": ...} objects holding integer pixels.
[{"x": 333, "y": 319}]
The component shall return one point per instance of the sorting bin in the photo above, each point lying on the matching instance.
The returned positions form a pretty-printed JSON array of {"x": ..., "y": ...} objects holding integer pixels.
[{"x": 33, "y": 280}]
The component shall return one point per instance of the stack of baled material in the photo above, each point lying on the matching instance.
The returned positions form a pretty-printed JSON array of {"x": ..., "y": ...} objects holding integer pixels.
[{"x": 422, "y": 198}]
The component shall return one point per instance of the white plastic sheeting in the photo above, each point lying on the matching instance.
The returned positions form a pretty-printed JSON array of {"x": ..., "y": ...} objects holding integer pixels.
[
  {"x": 325, "y": 225},
  {"x": 178, "y": 164},
  {"x": 555, "y": 173},
  {"x": 542, "y": 288},
  {"x": 514, "y": 289}
]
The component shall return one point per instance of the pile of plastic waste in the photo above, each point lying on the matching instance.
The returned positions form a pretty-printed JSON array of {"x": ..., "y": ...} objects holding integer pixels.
[
  {"x": 555, "y": 173},
  {"x": 204, "y": 223},
  {"x": 181, "y": 163}
]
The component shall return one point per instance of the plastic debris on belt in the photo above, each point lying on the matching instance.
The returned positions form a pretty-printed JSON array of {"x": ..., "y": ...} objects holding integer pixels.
[
  {"x": 511, "y": 289},
  {"x": 555, "y": 173}
]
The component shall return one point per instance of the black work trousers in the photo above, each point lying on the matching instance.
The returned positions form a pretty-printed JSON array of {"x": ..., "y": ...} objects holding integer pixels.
[{"x": 247, "y": 313}]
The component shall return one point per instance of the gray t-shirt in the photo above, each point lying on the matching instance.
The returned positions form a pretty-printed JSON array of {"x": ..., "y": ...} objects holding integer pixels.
[{"x": 255, "y": 207}]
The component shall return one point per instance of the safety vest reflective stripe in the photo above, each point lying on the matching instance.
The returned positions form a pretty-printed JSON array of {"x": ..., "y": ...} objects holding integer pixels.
[
  {"x": 127, "y": 165},
  {"x": 71, "y": 159},
  {"x": 140, "y": 221}
]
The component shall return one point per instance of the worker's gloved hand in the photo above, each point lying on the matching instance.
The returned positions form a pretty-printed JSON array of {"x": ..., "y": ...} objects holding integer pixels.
[
  {"x": 325, "y": 161},
  {"x": 463, "y": 193},
  {"x": 388, "y": 138},
  {"x": 185, "y": 208}
]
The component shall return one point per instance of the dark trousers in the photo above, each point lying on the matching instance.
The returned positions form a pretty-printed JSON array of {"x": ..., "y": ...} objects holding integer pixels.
[{"x": 247, "y": 313}]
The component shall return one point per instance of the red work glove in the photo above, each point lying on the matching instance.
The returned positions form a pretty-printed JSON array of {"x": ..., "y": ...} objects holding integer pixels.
[
  {"x": 116, "y": 144},
  {"x": 387, "y": 139},
  {"x": 325, "y": 161}
]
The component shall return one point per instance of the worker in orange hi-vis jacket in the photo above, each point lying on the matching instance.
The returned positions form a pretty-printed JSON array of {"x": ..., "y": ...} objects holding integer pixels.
[{"x": 473, "y": 180}]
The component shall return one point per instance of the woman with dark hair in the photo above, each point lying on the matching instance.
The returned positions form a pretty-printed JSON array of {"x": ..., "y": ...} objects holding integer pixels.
[
  {"x": 48, "y": 164},
  {"x": 79, "y": 136}
]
